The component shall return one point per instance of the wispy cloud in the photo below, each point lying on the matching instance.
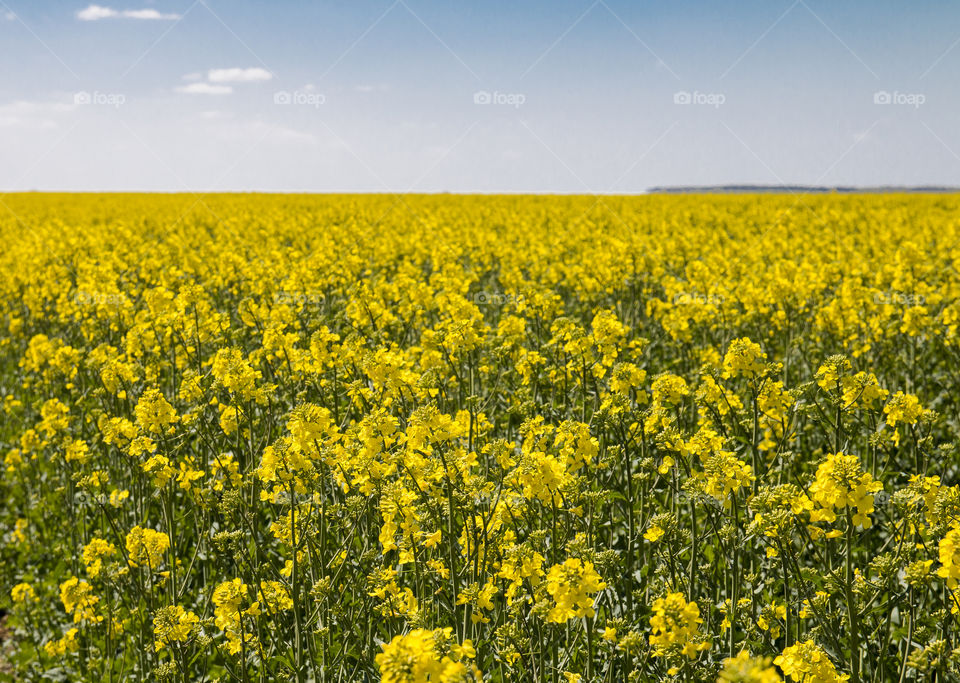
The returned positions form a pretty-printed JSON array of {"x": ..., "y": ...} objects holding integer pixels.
[
  {"x": 26, "y": 114},
  {"x": 218, "y": 79},
  {"x": 238, "y": 75},
  {"x": 149, "y": 14},
  {"x": 205, "y": 89},
  {"x": 247, "y": 130},
  {"x": 8, "y": 16},
  {"x": 98, "y": 12}
]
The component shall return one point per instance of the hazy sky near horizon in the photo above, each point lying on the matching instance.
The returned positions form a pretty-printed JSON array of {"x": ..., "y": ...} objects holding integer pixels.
[{"x": 585, "y": 96}]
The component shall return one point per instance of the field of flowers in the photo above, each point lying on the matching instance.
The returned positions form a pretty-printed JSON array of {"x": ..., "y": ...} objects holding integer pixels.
[{"x": 440, "y": 438}]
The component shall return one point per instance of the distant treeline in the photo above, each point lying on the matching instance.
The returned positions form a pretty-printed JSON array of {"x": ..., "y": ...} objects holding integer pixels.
[{"x": 798, "y": 188}]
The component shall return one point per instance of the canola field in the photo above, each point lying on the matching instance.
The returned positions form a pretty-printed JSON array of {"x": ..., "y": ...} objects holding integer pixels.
[{"x": 419, "y": 439}]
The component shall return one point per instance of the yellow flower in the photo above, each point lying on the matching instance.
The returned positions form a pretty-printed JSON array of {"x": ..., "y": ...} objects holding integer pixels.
[
  {"x": 78, "y": 599},
  {"x": 744, "y": 357},
  {"x": 654, "y": 533},
  {"x": 905, "y": 408},
  {"x": 423, "y": 656},
  {"x": 675, "y": 627},
  {"x": 55, "y": 417},
  {"x": 949, "y": 550},
  {"x": 520, "y": 562},
  {"x": 807, "y": 663},
  {"x": 666, "y": 464},
  {"x": 173, "y": 624},
  {"x": 234, "y": 373},
  {"x": 19, "y": 530},
  {"x": 188, "y": 473},
  {"x": 146, "y": 547},
  {"x": 543, "y": 476},
  {"x": 572, "y": 586},
  {"x": 191, "y": 388},
  {"x": 726, "y": 474},
  {"x": 228, "y": 597},
  {"x": 917, "y": 573},
  {"x": 481, "y": 597},
  {"x": 61, "y": 646},
  {"x": 627, "y": 377},
  {"x": 229, "y": 419},
  {"x": 154, "y": 413},
  {"x": 275, "y": 596},
  {"x": 746, "y": 669},
  {"x": 159, "y": 466},
  {"x": 77, "y": 450},
  {"x": 229, "y": 612},
  {"x": 830, "y": 373},
  {"x": 669, "y": 389},
  {"x": 95, "y": 552},
  {"x": 842, "y": 483},
  {"x": 23, "y": 593},
  {"x": 863, "y": 388}
]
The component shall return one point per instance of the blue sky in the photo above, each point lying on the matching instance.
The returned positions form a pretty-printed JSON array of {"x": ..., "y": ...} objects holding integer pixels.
[{"x": 493, "y": 96}]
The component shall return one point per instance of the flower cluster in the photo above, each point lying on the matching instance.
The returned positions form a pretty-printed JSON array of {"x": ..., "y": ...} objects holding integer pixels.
[
  {"x": 423, "y": 656},
  {"x": 808, "y": 663},
  {"x": 675, "y": 626},
  {"x": 572, "y": 586},
  {"x": 173, "y": 625},
  {"x": 146, "y": 547},
  {"x": 231, "y": 607},
  {"x": 841, "y": 483}
]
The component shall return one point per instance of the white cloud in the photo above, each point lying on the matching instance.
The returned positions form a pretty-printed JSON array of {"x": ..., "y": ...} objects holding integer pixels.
[
  {"x": 97, "y": 12},
  {"x": 260, "y": 130},
  {"x": 9, "y": 16},
  {"x": 149, "y": 14},
  {"x": 217, "y": 80},
  {"x": 16, "y": 122},
  {"x": 25, "y": 107},
  {"x": 25, "y": 114},
  {"x": 238, "y": 75},
  {"x": 205, "y": 89}
]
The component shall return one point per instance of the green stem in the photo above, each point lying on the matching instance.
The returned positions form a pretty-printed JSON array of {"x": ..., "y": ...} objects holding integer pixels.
[{"x": 852, "y": 606}]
